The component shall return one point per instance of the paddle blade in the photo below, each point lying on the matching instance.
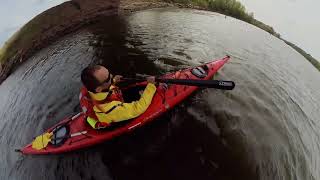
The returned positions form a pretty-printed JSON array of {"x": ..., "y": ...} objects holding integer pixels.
[
  {"x": 225, "y": 85},
  {"x": 217, "y": 84},
  {"x": 41, "y": 141}
]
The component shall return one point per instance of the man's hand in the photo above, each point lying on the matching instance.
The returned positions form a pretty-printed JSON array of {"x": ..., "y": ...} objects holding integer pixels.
[
  {"x": 151, "y": 79},
  {"x": 116, "y": 79}
]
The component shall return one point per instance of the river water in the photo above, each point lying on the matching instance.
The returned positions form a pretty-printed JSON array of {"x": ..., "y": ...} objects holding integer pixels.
[{"x": 266, "y": 128}]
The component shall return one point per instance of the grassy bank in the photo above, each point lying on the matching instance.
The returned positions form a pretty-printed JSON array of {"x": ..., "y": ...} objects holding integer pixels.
[
  {"x": 26, "y": 37},
  {"x": 4, "y": 51},
  {"x": 235, "y": 9},
  {"x": 21, "y": 39},
  {"x": 304, "y": 54}
]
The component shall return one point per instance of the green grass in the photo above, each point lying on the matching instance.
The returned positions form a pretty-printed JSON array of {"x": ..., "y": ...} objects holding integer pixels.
[
  {"x": 5, "y": 50},
  {"x": 20, "y": 40}
]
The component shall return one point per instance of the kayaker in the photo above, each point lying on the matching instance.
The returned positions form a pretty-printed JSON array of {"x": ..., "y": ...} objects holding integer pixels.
[{"x": 102, "y": 100}]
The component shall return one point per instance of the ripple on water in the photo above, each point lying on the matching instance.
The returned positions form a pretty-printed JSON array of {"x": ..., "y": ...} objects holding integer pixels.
[{"x": 266, "y": 128}]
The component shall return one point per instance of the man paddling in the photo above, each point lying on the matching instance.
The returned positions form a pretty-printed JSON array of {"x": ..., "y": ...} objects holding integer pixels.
[{"x": 102, "y": 100}]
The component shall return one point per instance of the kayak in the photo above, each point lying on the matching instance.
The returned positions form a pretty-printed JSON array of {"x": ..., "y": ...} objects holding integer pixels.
[{"x": 73, "y": 133}]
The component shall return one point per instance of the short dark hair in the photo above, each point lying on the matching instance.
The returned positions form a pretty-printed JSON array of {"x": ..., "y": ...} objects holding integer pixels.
[{"x": 88, "y": 79}]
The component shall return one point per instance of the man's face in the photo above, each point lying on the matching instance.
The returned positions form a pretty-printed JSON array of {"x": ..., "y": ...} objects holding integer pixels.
[{"x": 105, "y": 79}]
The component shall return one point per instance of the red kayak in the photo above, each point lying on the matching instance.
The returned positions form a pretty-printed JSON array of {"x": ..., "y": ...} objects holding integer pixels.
[{"x": 75, "y": 133}]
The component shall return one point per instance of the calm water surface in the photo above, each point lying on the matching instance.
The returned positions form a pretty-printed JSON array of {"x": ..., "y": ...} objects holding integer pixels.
[{"x": 266, "y": 128}]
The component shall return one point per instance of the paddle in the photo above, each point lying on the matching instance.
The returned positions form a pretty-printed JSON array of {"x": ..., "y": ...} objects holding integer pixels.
[
  {"x": 217, "y": 84},
  {"x": 43, "y": 140}
]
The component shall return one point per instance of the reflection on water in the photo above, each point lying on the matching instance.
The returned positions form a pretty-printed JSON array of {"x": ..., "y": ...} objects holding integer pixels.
[{"x": 266, "y": 128}]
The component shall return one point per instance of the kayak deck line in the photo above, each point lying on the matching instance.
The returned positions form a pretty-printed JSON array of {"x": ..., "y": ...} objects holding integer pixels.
[{"x": 134, "y": 126}]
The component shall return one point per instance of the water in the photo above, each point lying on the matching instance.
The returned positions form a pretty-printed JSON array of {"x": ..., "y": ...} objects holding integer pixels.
[{"x": 266, "y": 128}]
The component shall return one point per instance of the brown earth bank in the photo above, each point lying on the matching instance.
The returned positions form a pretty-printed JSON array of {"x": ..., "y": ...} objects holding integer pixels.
[{"x": 65, "y": 18}]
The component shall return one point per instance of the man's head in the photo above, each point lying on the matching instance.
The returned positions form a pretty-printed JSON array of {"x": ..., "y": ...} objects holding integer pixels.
[{"x": 96, "y": 78}]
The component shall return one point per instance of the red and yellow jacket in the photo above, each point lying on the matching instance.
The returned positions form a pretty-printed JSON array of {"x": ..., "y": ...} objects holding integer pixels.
[{"x": 104, "y": 108}]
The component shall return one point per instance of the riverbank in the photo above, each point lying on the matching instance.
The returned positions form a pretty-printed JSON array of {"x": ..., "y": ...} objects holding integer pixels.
[{"x": 47, "y": 26}]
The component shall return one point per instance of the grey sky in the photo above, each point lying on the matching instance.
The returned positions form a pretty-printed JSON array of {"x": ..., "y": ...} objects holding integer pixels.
[{"x": 296, "y": 20}]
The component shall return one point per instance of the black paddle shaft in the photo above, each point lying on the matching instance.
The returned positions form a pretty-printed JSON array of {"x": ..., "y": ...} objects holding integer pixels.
[{"x": 218, "y": 84}]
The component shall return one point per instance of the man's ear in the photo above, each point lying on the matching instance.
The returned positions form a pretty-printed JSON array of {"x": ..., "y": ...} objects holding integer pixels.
[{"x": 99, "y": 89}]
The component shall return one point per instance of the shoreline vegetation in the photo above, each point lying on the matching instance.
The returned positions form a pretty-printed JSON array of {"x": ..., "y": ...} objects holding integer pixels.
[{"x": 47, "y": 26}]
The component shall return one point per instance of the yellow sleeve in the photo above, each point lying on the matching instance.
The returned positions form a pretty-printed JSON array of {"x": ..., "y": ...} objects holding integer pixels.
[{"x": 127, "y": 110}]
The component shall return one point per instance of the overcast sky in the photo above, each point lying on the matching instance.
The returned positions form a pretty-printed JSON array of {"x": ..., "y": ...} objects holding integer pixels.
[{"x": 296, "y": 20}]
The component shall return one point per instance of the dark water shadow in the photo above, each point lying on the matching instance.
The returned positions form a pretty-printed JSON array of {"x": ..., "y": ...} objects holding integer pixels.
[
  {"x": 114, "y": 49},
  {"x": 175, "y": 146}
]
